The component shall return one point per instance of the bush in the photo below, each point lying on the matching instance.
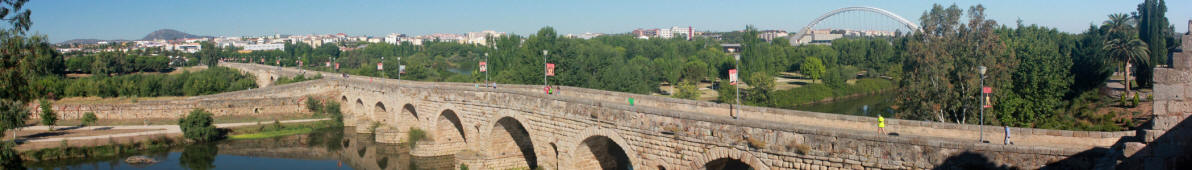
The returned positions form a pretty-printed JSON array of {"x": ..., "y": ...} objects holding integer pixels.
[
  {"x": 48, "y": 117},
  {"x": 332, "y": 109},
  {"x": 199, "y": 126},
  {"x": 313, "y": 105},
  {"x": 9, "y": 158},
  {"x": 416, "y": 135},
  {"x": 1135, "y": 102},
  {"x": 89, "y": 118}
]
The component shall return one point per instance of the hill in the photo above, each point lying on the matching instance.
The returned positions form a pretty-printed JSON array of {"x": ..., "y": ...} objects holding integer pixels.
[{"x": 169, "y": 34}]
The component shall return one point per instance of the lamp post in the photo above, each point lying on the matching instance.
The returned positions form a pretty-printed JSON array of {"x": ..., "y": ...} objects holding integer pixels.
[
  {"x": 486, "y": 69},
  {"x": 737, "y": 95},
  {"x": 544, "y": 84},
  {"x": 981, "y": 69}
]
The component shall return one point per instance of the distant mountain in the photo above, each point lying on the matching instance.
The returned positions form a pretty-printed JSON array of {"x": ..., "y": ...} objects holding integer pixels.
[{"x": 169, "y": 34}]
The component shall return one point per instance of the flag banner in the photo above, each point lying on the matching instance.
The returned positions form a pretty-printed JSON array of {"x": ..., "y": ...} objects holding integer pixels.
[
  {"x": 732, "y": 77},
  {"x": 483, "y": 66},
  {"x": 988, "y": 102},
  {"x": 380, "y": 66},
  {"x": 279, "y": 62},
  {"x": 401, "y": 69},
  {"x": 327, "y": 64},
  {"x": 299, "y": 63},
  {"x": 987, "y": 90},
  {"x": 337, "y": 66},
  {"x": 550, "y": 69}
]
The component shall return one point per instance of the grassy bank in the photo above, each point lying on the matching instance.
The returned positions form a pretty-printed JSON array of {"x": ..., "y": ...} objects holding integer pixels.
[
  {"x": 817, "y": 92},
  {"x": 275, "y": 129}
]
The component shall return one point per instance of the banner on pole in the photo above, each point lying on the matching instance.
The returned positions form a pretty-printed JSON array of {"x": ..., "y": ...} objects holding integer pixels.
[
  {"x": 299, "y": 63},
  {"x": 987, "y": 91},
  {"x": 483, "y": 66},
  {"x": 550, "y": 69},
  {"x": 401, "y": 69},
  {"x": 327, "y": 64},
  {"x": 732, "y": 77},
  {"x": 380, "y": 66},
  {"x": 337, "y": 66}
]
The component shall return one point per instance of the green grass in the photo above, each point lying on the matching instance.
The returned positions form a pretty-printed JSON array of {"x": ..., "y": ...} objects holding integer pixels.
[
  {"x": 816, "y": 92},
  {"x": 270, "y": 134},
  {"x": 270, "y": 130}
]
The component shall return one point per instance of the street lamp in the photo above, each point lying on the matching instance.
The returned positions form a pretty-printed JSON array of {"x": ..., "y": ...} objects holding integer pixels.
[
  {"x": 544, "y": 84},
  {"x": 486, "y": 69},
  {"x": 737, "y": 95},
  {"x": 982, "y": 69}
]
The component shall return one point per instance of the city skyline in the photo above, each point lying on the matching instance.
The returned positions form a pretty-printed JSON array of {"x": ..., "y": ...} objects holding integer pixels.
[{"x": 131, "y": 20}]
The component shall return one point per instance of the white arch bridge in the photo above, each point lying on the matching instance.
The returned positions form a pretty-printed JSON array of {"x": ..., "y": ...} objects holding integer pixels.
[{"x": 799, "y": 38}]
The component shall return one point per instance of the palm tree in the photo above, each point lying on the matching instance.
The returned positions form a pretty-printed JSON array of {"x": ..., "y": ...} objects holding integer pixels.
[{"x": 1123, "y": 44}]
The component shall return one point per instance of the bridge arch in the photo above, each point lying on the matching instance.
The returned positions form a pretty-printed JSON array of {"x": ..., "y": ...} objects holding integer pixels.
[
  {"x": 602, "y": 148},
  {"x": 725, "y": 158},
  {"x": 379, "y": 108},
  {"x": 449, "y": 128},
  {"x": 803, "y": 32},
  {"x": 509, "y": 140}
]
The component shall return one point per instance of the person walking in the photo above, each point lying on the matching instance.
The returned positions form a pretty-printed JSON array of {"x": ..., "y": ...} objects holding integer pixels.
[
  {"x": 881, "y": 124},
  {"x": 1007, "y": 140}
]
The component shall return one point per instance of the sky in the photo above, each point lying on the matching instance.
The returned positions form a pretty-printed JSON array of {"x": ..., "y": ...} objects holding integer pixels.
[{"x": 64, "y": 20}]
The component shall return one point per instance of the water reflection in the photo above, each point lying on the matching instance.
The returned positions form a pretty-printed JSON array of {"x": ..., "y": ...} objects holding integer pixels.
[
  {"x": 325, "y": 149},
  {"x": 199, "y": 156},
  {"x": 877, "y": 103}
]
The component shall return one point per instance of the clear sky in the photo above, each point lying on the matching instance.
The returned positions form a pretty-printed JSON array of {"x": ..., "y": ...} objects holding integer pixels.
[{"x": 131, "y": 19}]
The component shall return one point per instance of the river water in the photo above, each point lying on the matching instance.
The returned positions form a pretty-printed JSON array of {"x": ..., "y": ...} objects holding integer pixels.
[
  {"x": 876, "y": 103},
  {"x": 333, "y": 148}
]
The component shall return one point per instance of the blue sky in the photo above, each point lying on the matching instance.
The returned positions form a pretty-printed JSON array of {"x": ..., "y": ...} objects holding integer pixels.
[{"x": 132, "y": 19}]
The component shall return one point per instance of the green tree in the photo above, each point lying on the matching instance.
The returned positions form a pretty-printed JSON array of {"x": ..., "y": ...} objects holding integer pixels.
[
  {"x": 1154, "y": 30},
  {"x": 89, "y": 118},
  {"x": 687, "y": 90},
  {"x": 812, "y": 68},
  {"x": 762, "y": 85},
  {"x": 1124, "y": 46},
  {"x": 695, "y": 71},
  {"x": 48, "y": 117},
  {"x": 199, "y": 126}
]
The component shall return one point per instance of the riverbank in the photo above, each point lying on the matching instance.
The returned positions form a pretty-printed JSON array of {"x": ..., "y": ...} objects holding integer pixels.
[
  {"x": 119, "y": 144},
  {"x": 815, "y": 93}
]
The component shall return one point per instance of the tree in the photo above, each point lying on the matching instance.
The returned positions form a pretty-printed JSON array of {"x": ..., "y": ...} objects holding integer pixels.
[
  {"x": 1123, "y": 46},
  {"x": 687, "y": 90},
  {"x": 813, "y": 68},
  {"x": 209, "y": 54},
  {"x": 695, "y": 71},
  {"x": 199, "y": 126},
  {"x": 48, "y": 117},
  {"x": 1154, "y": 30},
  {"x": 89, "y": 118},
  {"x": 762, "y": 84}
]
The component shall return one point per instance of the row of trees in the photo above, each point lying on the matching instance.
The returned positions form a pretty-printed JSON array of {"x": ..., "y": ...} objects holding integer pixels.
[
  {"x": 107, "y": 63},
  {"x": 209, "y": 81}
]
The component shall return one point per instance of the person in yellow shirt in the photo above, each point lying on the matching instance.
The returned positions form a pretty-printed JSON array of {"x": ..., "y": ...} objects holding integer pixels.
[{"x": 881, "y": 124}]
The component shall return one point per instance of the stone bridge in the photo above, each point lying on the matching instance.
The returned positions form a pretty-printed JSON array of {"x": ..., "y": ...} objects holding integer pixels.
[{"x": 518, "y": 126}]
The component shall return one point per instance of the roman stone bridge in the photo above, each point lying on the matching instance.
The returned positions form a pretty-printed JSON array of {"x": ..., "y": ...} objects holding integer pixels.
[{"x": 515, "y": 126}]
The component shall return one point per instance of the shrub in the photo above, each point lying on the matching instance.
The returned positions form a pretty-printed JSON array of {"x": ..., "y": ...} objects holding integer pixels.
[
  {"x": 416, "y": 135},
  {"x": 48, "y": 117},
  {"x": 313, "y": 105},
  {"x": 89, "y": 118},
  {"x": 9, "y": 158},
  {"x": 332, "y": 109},
  {"x": 797, "y": 147},
  {"x": 199, "y": 126},
  {"x": 1135, "y": 102},
  {"x": 277, "y": 125}
]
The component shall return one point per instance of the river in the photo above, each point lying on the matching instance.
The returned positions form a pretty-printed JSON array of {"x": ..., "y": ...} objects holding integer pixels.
[
  {"x": 333, "y": 148},
  {"x": 877, "y": 103}
]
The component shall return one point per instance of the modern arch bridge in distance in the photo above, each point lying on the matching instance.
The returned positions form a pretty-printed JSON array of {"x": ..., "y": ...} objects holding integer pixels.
[
  {"x": 517, "y": 126},
  {"x": 798, "y": 37}
]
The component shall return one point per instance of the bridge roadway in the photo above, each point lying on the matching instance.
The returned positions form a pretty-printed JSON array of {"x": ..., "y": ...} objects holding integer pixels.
[{"x": 519, "y": 126}]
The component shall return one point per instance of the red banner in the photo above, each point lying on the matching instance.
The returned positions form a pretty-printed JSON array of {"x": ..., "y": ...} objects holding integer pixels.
[
  {"x": 380, "y": 66},
  {"x": 732, "y": 77},
  {"x": 987, "y": 90},
  {"x": 550, "y": 69},
  {"x": 483, "y": 66},
  {"x": 337, "y": 66}
]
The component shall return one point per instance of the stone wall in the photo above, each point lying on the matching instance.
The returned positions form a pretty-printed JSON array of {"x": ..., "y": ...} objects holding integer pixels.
[
  {"x": 1165, "y": 142},
  {"x": 682, "y": 134}
]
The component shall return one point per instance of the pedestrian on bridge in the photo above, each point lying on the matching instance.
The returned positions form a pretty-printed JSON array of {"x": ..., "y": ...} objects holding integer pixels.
[{"x": 881, "y": 124}]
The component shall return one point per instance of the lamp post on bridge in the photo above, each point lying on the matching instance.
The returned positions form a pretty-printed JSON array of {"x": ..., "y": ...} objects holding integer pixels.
[
  {"x": 733, "y": 76},
  {"x": 982, "y": 69}
]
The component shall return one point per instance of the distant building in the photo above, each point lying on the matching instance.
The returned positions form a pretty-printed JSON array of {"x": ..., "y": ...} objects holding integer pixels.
[
  {"x": 262, "y": 47},
  {"x": 770, "y": 35}
]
